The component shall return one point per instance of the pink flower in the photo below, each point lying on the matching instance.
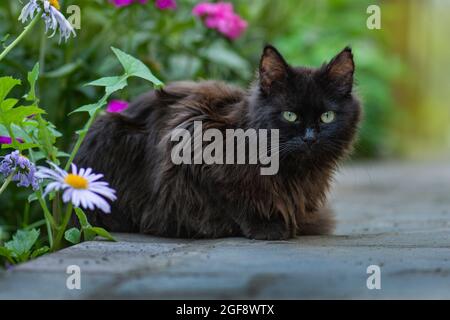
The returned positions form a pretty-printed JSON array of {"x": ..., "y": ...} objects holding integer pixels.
[
  {"x": 166, "y": 4},
  {"x": 221, "y": 17},
  {"x": 124, "y": 3},
  {"x": 160, "y": 4},
  {"x": 8, "y": 140},
  {"x": 115, "y": 106}
]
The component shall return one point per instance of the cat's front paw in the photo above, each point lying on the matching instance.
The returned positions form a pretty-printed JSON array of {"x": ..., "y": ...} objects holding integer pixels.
[{"x": 274, "y": 231}]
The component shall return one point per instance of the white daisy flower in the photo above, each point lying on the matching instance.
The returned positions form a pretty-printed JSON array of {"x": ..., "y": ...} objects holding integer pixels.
[
  {"x": 81, "y": 187},
  {"x": 51, "y": 15}
]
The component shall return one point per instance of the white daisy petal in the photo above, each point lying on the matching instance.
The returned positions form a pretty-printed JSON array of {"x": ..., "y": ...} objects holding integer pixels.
[
  {"x": 67, "y": 195},
  {"x": 54, "y": 186},
  {"x": 88, "y": 172},
  {"x": 90, "y": 205},
  {"x": 101, "y": 203},
  {"x": 61, "y": 172},
  {"x": 99, "y": 184},
  {"x": 106, "y": 192},
  {"x": 83, "y": 199},
  {"x": 44, "y": 173},
  {"x": 76, "y": 197},
  {"x": 74, "y": 169},
  {"x": 94, "y": 177}
]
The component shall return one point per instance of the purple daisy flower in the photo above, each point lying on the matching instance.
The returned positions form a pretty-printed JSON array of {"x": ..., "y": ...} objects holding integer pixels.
[{"x": 22, "y": 170}]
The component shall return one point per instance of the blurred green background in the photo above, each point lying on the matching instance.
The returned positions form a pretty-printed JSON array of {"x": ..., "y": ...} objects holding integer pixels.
[{"x": 402, "y": 70}]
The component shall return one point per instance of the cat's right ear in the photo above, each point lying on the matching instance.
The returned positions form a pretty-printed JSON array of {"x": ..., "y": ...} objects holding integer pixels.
[
  {"x": 339, "y": 72},
  {"x": 273, "y": 69}
]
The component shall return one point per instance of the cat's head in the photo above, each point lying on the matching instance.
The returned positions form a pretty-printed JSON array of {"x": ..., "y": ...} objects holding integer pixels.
[{"x": 314, "y": 109}]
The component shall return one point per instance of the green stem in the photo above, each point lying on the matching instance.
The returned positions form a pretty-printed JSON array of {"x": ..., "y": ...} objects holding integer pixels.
[
  {"x": 81, "y": 137},
  {"x": 42, "y": 51},
  {"x": 48, "y": 217},
  {"x": 56, "y": 208},
  {"x": 14, "y": 142},
  {"x": 26, "y": 30},
  {"x": 6, "y": 183},
  {"x": 62, "y": 228},
  {"x": 36, "y": 224},
  {"x": 50, "y": 222},
  {"x": 26, "y": 215}
]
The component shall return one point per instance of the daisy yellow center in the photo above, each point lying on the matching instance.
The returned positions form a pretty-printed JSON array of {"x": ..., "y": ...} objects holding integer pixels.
[
  {"x": 76, "y": 182},
  {"x": 55, "y": 3}
]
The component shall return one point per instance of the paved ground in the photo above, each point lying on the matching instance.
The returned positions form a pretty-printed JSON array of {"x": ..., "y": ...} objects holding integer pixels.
[{"x": 396, "y": 216}]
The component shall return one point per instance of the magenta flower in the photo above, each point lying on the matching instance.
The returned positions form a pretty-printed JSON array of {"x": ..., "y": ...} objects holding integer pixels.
[
  {"x": 8, "y": 140},
  {"x": 160, "y": 4},
  {"x": 124, "y": 3},
  {"x": 220, "y": 16},
  {"x": 115, "y": 106},
  {"x": 166, "y": 4}
]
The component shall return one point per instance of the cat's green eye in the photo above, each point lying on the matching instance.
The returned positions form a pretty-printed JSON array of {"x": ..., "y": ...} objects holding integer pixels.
[
  {"x": 290, "y": 116},
  {"x": 328, "y": 117}
]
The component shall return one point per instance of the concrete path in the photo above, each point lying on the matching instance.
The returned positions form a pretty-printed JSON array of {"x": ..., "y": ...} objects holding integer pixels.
[{"x": 395, "y": 216}]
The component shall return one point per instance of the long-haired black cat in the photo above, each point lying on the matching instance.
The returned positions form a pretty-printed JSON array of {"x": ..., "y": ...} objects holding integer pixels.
[{"x": 317, "y": 116}]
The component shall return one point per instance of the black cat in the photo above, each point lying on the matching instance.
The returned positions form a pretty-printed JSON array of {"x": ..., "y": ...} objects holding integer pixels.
[{"x": 317, "y": 116}]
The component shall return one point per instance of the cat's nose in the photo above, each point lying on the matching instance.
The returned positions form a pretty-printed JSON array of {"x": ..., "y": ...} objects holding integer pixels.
[{"x": 309, "y": 137}]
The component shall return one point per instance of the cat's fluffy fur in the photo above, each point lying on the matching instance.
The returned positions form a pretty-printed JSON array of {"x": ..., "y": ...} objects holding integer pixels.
[{"x": 157, "y": 197}]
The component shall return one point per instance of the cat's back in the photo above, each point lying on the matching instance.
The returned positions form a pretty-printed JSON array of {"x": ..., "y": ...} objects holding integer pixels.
[
  {"x": 155, "y": 114},
  {"x": 182, "y": 100},
  {"x": 208, "y": 91}
]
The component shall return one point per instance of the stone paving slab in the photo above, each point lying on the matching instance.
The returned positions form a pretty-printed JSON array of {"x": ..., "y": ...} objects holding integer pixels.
[{"x": 393, "y": 215}]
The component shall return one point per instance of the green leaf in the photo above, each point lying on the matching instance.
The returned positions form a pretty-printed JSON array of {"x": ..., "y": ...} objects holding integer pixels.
[
  {"x": 86, "y": 228},
  {"x": 5, "y": 252},
  {"x": 88, "y": 234},
  {"x": 111, "y": 84},
  {"x": 105, "y": 82},
  {"x": 8, "y": 104},
  {"x": 21, "y": 243},
  {"x": 84, "y": 223},
  {"x": 46, "y": 138},
  {"x": 21, "y": 146},
  {"x": 3, "y": 40},
  {"x": 102, "y": 233},
  {"x": 32, "y": 197},
  {"x": 38, "y": 155},
  {"x": 135, "y": 67},
  {"x": 39, "y": 252},
  {"x": 17, "y": 115},
  {"x": 53, "y": 130},
  {"x": 90, "y": 108},
  {"x": 32, "y": 78},
  {"x": 73, "y": 235},
  {"x": 62, "y": 154},
  {"x": 6, "y": 85}
]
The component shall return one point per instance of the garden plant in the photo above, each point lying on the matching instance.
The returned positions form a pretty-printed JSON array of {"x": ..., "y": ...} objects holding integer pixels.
[{"x": 49, "y": 96}]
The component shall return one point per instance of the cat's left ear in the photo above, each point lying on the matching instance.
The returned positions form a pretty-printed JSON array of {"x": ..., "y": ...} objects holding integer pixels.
[
  {"x": 273, "y": 70},
  {"x": 339, "y": 72}
]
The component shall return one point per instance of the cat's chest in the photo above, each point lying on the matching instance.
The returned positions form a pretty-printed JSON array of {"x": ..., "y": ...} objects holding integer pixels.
[
  {"x": 289, "y": 194},
  {"x": 298, "y": 195}
]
